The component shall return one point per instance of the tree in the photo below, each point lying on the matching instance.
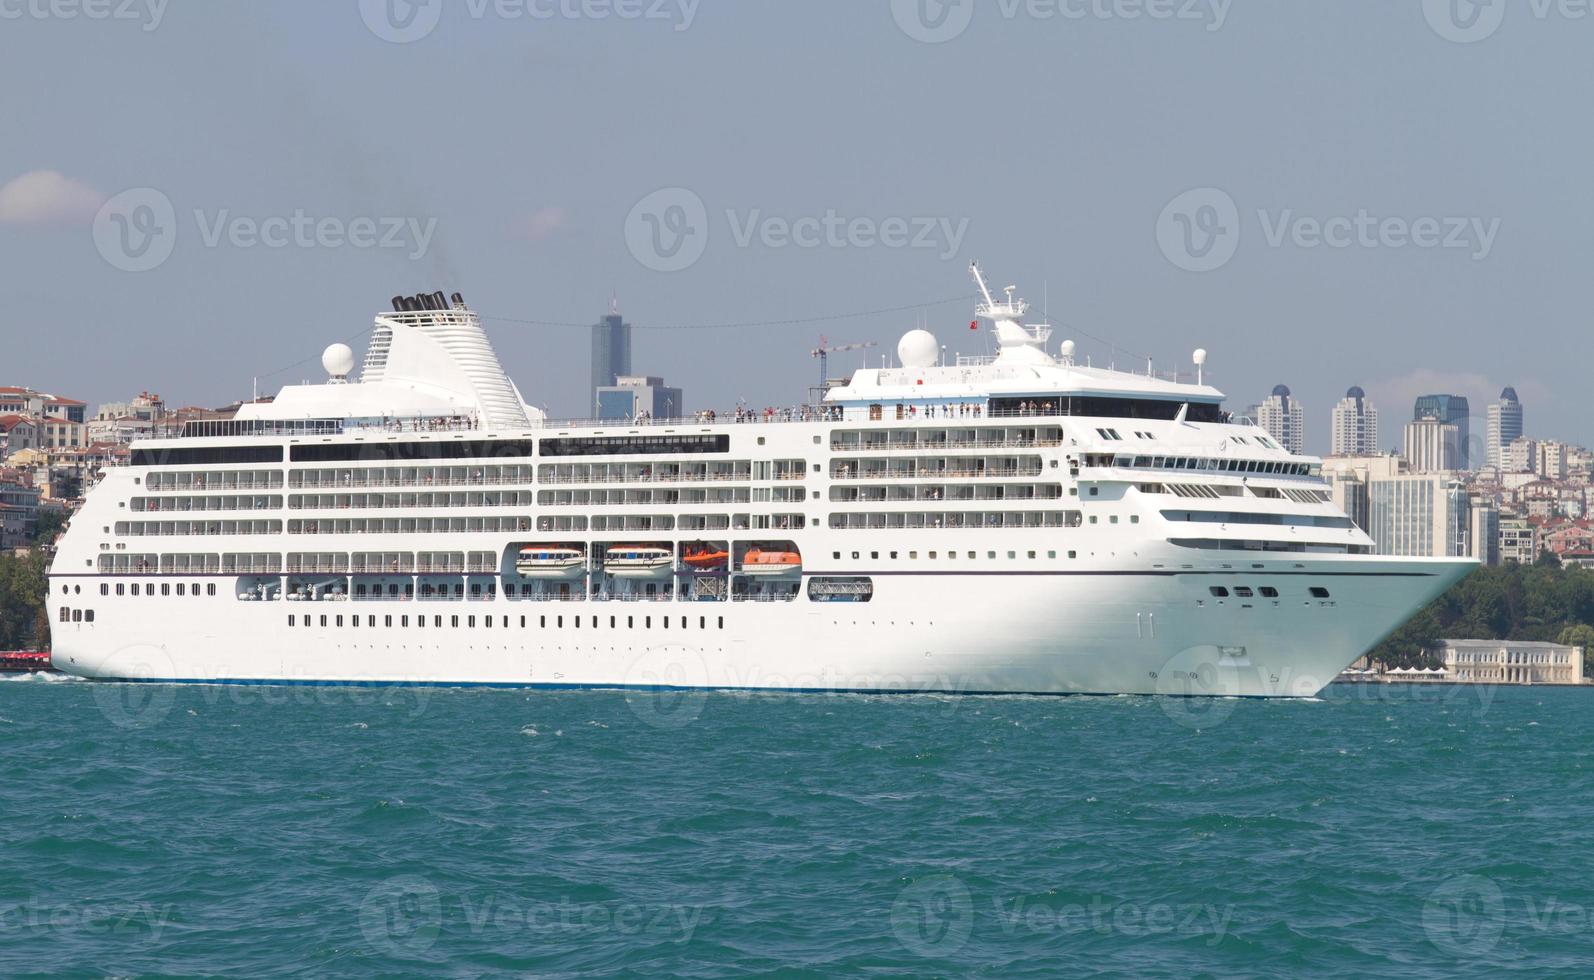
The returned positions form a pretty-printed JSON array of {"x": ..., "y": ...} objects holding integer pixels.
[{"x": 23, "y": 590}]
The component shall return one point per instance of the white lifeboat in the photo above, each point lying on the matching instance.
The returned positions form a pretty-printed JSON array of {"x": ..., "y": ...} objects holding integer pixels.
[
  {"x": 551, "y": 561},
  {"x": 638, "y": 561}
]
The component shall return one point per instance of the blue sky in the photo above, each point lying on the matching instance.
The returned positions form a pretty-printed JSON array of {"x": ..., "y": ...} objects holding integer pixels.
[{"x": 1443, "y": 151}]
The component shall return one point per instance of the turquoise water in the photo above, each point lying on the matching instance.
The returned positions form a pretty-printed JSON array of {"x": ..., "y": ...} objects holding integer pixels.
[{"x": 1413, "y": 832}]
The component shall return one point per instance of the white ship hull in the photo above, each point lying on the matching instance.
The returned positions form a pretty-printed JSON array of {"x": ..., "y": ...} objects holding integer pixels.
[
  {"x": 1120, "y": 631},
  {"x": 1019, "y": 524}
]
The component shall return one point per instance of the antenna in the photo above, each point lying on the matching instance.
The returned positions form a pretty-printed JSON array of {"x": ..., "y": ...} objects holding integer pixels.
[{"x": 1200, "y": 359}]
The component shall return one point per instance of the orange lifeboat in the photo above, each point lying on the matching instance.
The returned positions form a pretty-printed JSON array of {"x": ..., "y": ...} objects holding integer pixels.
[
  {"x": 704, "y": 558},
  {"x": 761, "y": 562}
]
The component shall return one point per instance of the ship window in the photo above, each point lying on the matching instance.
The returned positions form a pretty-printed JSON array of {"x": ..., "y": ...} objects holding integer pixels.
[
  {"x": 933, "y": 556},
  {"x": 387, "y": 621},
  {"x": 1318, "y": 592},
  {"x": 836, "y": 555},
  {"x": 1243, "y": 591},
  {"x": 77, "y": 615},
  {"x": 1218, "y": 591},
  {"x": 1095, "y": 491},
  {"x": 1073, "y": 554},
  {"x": 1113, "y": 519},
  {"x": 105, "y": 588},
  {"x": 404, "y": 621},
  {"x": 454, "y": 621},
  {"x": 323, "y": 621},
  {"x": 1269, "y": 592},
  {"x": 119, "y": 588},
  {"x": 353, "y": 621},
  {"x": 210, "y": 588},
  {"x": 290, "y": 620},
  {"x": 166, "y": 588},
  {"x": 66, "y": 613}
]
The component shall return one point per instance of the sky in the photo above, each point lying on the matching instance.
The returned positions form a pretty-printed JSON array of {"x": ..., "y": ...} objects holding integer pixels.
[{"x": 198, "y": 197}]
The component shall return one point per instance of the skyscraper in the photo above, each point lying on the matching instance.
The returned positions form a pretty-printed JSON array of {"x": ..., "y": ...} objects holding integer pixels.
[
  {"x": 1432, "y": 446},
  {"x": 1283, "y": 419},
  {"x": 611, "y": 353},
  {"x": 1451, "y": 410},
  {"x": 1355, "y": 425},
  {"x": 1505, "y": 426}
]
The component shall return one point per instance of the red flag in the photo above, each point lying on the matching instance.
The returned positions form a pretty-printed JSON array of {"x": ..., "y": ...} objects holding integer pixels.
[{"x": 974, "y": 324}]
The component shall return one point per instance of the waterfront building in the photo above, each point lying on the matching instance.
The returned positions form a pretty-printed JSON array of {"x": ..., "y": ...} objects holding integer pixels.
[
  {"x": 1505, "y": 426},
  {"x": 19, "y": 509},
  {"x": 17, "y": 433},
  {"x": 1355, "y": 423},
  {"x": 1511, "y": 662},
  {"x": 1419, "y": 515},
  {"x": 1433, "y": 446},
  {"x": 1483, "y": 532},
  {"x": 1348, "y": 477},
  {"x": 1282, "y": 417},
  {"x": 1449, "y": 410}
]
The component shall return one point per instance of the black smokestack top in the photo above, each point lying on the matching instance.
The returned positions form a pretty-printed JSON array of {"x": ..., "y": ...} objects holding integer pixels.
[
  {"x": 423, "y": 301},
  {"x": 398, "y": 304},
  {"x": 440, "y": 300},
  {"x": 459, "y": 301}
]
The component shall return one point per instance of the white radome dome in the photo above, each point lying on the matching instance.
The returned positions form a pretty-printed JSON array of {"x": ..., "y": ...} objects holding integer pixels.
[
  {"x": 918, "y": 349},
  {"x": 338, "y": 360}
]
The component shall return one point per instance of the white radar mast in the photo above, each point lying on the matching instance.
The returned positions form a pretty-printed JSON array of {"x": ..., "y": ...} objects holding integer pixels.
[{"x": 1019, "y": 342}]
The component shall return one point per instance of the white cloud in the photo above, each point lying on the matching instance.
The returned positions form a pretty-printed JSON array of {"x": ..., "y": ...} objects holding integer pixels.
[
  {"x": 46, "y": 197},
  {"x": 541, "y": 224}
]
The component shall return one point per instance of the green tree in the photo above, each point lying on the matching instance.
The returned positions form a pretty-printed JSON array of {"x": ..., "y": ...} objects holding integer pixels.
[{"x": 23, "y": 588}]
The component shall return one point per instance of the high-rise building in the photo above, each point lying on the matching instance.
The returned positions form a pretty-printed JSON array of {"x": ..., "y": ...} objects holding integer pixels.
[
  {"x": 1505, "y": 425},
  {"x": 1483, "y": 535},
  {"x": 611, "y": 352},
  {"x": 1432, "y": 446},
  {"x": 1419, "y": 515},
  {"x": 1518, "y": 541},
  {"x": 1281, "y": 416},
  {"x": 1355, "y": 425},
  {"x": 1452, "y": 410}
]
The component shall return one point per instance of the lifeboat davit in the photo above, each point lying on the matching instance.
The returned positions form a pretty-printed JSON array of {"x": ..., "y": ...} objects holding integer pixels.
[
  {"x": 638, "y": 561},
  {"x": 704, "y": 558},
  {"x": 551, "y": 561},
  {"x": 761, "y": 562}
]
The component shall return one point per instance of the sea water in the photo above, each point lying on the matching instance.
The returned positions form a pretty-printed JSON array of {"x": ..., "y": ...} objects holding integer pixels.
[{"x": 1396, "y": 831}]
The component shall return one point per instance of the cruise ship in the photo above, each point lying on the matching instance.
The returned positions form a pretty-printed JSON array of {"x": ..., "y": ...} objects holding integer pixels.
[{"x": 1020, "y": 522}]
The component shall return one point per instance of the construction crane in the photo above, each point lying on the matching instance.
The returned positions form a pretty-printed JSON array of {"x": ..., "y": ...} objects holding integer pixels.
[{"x": 824, "y": 350}]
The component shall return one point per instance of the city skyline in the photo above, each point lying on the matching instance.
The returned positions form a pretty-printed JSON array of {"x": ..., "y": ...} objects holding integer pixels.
[{"x": 547, "y": 240}]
